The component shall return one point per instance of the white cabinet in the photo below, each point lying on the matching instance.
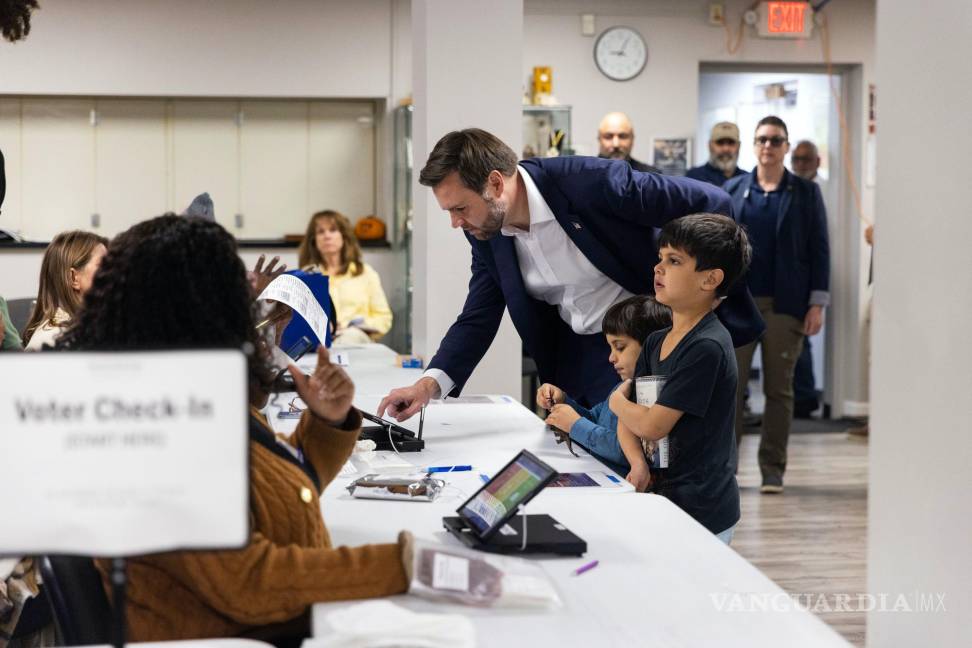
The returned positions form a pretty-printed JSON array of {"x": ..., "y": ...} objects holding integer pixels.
[
  {"x": 104, "y": 164},
  {"x": 57, "y": 166},
  {"x": 273, "y": 168},
  {"x": 205, "y": 150},
  {"x": 131, "y": 162}
]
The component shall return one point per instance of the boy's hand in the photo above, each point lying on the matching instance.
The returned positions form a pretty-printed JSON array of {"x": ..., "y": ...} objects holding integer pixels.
[
  {"x": 639, "y": 477},
  {"x": 620, "y": 396},
  {"x": 549, "y": 395},
  {"x": 562, "y": 417}
]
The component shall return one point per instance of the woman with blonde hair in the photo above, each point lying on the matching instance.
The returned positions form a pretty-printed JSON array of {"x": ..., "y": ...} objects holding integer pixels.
[
  {"x": 331, "y": 248},
  {"x": 69, "y": 265}
]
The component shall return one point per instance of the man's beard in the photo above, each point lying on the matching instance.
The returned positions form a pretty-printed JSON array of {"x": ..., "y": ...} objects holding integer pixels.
[
  {"x": 495, "y": 214},
  {"x": 615, "y": 154},
  {"x": 809, "y": 174},
  {"x": 724, "y": 161}
]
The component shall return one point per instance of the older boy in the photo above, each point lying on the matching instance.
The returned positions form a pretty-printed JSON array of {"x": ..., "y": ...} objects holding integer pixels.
[{"x": 700, "y": 257}]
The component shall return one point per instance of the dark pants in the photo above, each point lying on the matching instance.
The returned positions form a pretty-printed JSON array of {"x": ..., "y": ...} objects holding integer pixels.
[{"x": 780, "y": 347}]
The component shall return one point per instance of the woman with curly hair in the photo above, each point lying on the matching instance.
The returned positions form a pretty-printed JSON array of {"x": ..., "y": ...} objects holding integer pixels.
[
  {"x": 67, "y": 271},
  {"x": 331, "y": 248},
  {"x": 174, "y": 282}
]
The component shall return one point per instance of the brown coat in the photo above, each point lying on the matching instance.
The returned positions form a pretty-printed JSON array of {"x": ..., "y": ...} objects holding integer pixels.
[{"x": 288, "y": 565}]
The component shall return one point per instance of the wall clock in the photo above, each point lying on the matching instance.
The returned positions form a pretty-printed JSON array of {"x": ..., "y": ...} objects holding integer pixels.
[{"x": 620, "y": 53}]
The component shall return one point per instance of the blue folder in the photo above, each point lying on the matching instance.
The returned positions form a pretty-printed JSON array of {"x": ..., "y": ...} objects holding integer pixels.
[{"x": 298, "y": 326}]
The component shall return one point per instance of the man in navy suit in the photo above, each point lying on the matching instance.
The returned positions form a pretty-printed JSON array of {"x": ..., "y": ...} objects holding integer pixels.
[{"x": 556, "y": 241}]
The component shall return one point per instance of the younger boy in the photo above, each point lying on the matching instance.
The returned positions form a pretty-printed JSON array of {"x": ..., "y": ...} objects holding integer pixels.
[
  {"x": 700, "y": 258},
  {"x": 625, "y": 325}
]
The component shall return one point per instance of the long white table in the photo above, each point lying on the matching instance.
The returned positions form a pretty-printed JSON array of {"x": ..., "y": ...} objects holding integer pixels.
[{"x": 663, "y": 579}]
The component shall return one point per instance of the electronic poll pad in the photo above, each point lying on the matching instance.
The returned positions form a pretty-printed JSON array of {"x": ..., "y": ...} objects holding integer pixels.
[{"x": 488, "y": 520}]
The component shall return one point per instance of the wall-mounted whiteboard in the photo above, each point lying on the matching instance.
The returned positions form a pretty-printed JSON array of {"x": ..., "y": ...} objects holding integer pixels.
[{"x": 103, "y": 164}]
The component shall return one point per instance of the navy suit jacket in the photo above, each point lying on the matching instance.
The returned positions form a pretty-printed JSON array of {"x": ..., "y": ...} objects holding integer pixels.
[
  {"x": 802, "y": 259},
  {"x": 610, "y": 212}
]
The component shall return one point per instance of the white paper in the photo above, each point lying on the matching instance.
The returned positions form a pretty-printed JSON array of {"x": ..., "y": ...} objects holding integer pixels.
[
  {"x": 292, "y": 291},
  {"x": 647, "y": 389},
  {"x": 450, "y": 573},
  {"x": 140, "y": 452},
  {"x": 341, "y": 358},
  {"x": 348, "y": 469}
]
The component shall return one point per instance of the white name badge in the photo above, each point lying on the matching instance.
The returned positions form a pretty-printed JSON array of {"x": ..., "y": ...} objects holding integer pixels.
[{"x": 114, "y": 454}]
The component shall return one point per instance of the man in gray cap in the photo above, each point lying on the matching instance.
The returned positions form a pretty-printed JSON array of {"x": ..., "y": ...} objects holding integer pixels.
[{"x": 723, "y": 155}]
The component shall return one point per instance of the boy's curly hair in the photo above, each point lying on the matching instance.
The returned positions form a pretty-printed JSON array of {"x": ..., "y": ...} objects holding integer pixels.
[{"x": 170, "y": 282}]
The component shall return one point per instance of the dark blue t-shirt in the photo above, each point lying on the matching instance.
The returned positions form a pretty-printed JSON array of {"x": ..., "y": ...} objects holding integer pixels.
[
  {"x": 701, "y": 382},
  {"x": 760, "y": 214}
]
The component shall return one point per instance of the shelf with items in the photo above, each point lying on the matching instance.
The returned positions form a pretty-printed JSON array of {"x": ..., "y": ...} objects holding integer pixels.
[{"x": 546, "y": 131}]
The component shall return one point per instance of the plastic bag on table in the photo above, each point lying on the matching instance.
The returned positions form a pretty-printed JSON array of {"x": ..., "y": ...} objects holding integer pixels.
[{"x": 460, "y": 575}]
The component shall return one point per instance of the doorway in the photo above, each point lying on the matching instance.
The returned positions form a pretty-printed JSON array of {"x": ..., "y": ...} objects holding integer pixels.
[{"x": 801, "y": 98}]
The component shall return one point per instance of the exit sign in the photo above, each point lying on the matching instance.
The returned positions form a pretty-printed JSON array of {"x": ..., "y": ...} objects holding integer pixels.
[{"x": 785, "y": 19}]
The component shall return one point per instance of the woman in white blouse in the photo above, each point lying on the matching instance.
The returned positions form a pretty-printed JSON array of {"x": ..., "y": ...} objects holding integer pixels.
[{"x": 69, "y": 266}]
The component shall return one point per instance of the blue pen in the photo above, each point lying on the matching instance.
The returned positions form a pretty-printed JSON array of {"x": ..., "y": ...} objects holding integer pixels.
[{"x": 441, "y": 469}]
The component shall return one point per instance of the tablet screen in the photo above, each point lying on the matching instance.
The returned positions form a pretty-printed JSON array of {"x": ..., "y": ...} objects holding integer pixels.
[{"x": 517, "y": 483}]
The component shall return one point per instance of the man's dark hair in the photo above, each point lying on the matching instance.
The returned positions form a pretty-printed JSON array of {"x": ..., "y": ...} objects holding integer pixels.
[
  {"x": 636, "y": 317},
  {"x": 773, "y": 120},
  {"x": 170, "y": 283},
  {"x": 473, "y": 153},
  {"x": 15, "y": 18},
  {"x": 714, "y": 241}
]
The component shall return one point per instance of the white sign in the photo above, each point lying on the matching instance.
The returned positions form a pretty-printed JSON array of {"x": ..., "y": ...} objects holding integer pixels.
[
  {"x": 295, "y": 293},
  {"x": 115, "y": 454}
]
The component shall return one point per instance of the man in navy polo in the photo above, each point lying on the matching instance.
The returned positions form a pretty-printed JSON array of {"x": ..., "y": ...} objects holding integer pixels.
[{"x": 723, "y": 156}]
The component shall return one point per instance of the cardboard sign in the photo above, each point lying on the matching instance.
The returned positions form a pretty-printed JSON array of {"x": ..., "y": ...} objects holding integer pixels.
[{"x": 116, "y": 454}]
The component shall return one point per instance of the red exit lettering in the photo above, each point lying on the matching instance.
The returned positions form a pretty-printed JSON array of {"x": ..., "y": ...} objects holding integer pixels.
[{"x": 785, "y": 17}]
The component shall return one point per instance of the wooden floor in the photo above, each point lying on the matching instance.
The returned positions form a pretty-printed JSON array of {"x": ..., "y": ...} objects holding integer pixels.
[{"x": 811, "y": 539}]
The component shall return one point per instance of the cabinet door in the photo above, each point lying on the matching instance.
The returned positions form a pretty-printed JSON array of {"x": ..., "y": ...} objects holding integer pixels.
[
  {"x": 273, "y": 169},
  {"x": 131, "y": 163},
  {"x": 206, "y": 156},
  {"x": 58, "y": 166},
  {"x": 342, "y": 158},
  {"x": 10, "y": 212}
]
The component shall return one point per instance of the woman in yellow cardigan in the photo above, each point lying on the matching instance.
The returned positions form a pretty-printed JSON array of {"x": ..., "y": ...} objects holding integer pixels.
[
  {"x": 331, "y": 248},
  {"x": 174, "y": 282}
]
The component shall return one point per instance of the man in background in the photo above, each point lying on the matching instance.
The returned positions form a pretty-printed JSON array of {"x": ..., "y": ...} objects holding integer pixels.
[
  {"x": 805, "y": 160},
  {"x": 723, "y": 156},
  {"x": 615, "y": 139}
]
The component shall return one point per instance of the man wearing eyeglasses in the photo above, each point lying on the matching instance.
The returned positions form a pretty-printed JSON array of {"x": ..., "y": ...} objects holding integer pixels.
[
  {"x": 789, "y": 278},
  {"x": 723, "y": 156}
]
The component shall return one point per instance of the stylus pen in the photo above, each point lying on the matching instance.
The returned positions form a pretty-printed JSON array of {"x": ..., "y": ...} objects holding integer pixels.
[
  {"x": 589, "y": 566},
  {"x": 438, "y": 469}
]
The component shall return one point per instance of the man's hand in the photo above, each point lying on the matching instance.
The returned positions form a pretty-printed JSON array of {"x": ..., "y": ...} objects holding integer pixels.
[
  {"x": 404, "y": 402},
  {"x": 620, "y": 396},
  {"x": 328, "y": 392},
  {"x": 869, "y": 235},
  {"x": 813, "y": 322},
  {"x": 562, "y": 417},
  {"x": 260, "y": 277},
  {"x": 639, "y": 477},
  {"x": 549, "y": 395}
]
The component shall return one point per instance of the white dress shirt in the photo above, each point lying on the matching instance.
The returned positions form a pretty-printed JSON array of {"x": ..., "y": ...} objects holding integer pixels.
[{"x": 555, "y": 271}]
